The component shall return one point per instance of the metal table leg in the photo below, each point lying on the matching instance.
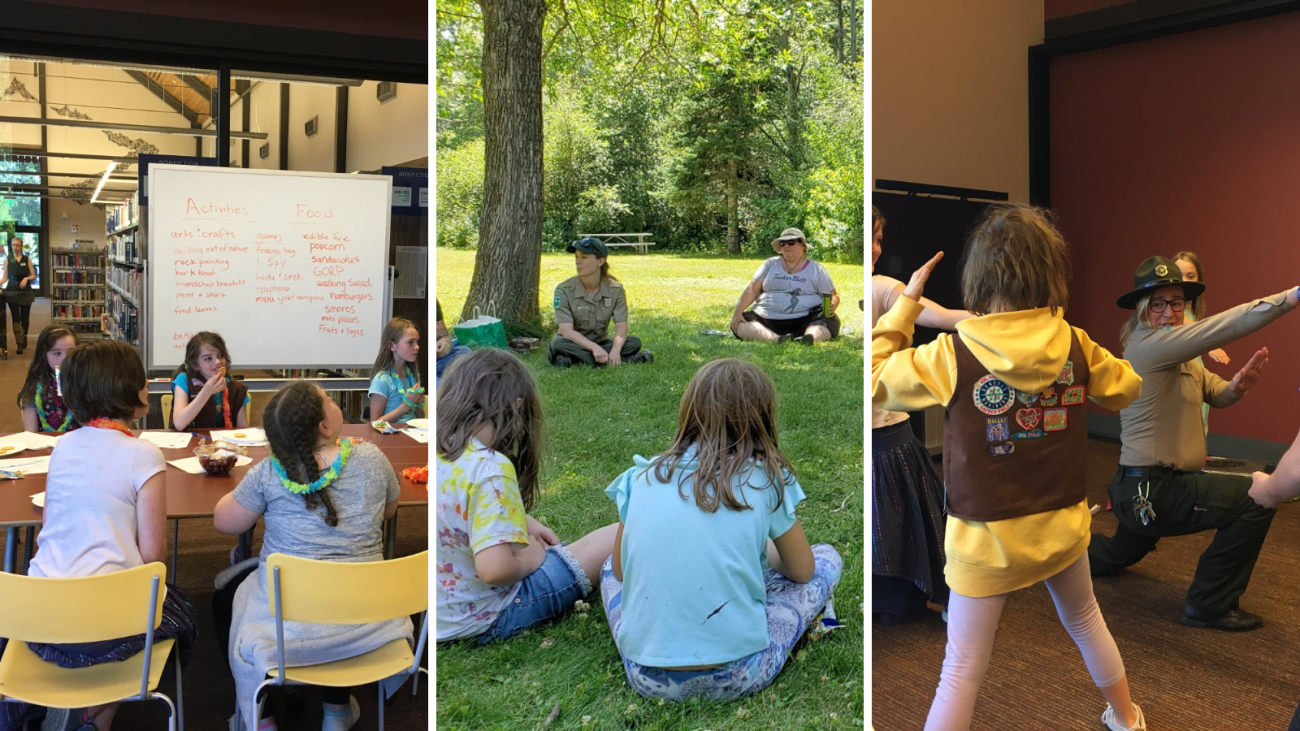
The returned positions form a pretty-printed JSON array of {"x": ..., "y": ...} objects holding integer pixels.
[
  {"x": 176, "y": 542},
  {"x": 246, "y": 543},
  {"x": 29, "y": 548},
  {"x": 11, "y": 548},
  {"x": 390, "y": 537}
]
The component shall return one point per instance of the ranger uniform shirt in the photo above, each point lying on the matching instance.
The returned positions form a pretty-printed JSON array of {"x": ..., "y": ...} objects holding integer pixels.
[{"x": 590, "y": 313}]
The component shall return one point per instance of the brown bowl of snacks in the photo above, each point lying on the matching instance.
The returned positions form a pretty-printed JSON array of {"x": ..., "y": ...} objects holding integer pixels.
[{"x": 219, "y": 457}]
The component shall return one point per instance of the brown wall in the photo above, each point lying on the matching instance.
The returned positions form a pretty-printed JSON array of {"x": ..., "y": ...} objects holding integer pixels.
[
  {"x": 1187, "y": 142},
  {"x": 950, "y": 91}
]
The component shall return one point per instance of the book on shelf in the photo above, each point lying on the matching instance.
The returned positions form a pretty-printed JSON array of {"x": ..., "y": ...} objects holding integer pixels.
[
  {"x": 124, "y": 215},
  {"x": 122, "y": 247}
]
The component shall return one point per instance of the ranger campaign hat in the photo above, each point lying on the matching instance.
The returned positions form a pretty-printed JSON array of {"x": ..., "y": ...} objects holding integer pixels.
[
  {"x": 590, "y": 245},
  {"x": 1153, "y": 274}
]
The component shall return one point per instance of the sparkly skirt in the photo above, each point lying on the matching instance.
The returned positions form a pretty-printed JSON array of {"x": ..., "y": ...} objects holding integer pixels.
[{"x": 907, "y": 514}]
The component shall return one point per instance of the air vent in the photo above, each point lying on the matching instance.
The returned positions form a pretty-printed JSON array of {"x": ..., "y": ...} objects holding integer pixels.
[
  {"x": 312, "y": 126},
  {"x": 386, "y": 90}
]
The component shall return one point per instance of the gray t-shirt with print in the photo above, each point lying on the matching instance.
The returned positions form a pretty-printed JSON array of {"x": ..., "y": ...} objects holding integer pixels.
[
  {"x": 787, "y": 296},
  {"x": 364, "y": 485}
]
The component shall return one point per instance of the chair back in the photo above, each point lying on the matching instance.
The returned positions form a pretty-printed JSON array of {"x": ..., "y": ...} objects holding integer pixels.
[
  {"x": 83, "y": 609},
  {"x": 333, "y": 592},
  {"x": 166, "y": 405}
]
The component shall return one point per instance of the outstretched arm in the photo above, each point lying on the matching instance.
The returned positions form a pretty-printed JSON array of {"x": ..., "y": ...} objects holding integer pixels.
[
  {"x": 904, "y": 378},
  {"x": 1283, "y": 484},
  {"x": 935, "y": 315}
]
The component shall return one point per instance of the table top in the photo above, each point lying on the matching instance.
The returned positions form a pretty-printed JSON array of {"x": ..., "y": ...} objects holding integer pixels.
[{"x": 196, "y": 496}]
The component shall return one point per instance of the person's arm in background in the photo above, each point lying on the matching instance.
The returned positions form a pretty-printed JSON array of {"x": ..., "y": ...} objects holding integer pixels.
[
  {"x": 935, "y": 315},
  {"x": 747, "y": 298},
  {"x": 1283, "y": 484}
]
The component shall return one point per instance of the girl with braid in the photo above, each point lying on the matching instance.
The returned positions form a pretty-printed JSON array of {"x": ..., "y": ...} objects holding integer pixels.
[
  {"x": 41, "y": 398},
  {"x": 322, "y": 498}
]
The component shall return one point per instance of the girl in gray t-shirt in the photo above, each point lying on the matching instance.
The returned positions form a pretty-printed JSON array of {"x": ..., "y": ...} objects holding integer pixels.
[{"x": 322, "y": 498}]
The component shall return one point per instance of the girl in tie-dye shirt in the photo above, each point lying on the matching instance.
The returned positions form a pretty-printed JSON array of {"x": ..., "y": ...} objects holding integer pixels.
[{"x": 499, "y": 570}]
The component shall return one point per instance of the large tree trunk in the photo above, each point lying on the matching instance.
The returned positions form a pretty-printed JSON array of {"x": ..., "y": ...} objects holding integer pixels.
[
  {"x": 733, "y": 208},
  {"x": 507, "y": 267}
]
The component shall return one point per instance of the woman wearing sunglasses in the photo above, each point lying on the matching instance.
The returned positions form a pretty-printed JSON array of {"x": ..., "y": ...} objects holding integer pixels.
[
  {"x": 1160, "y": 489},
  {"x": 790, "y": 294}
]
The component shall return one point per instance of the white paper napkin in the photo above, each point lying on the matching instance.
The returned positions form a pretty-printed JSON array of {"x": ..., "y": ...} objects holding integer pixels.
[
  {"x": 32, "y": 440},
  {"x": 419, "y": 435},
  {"x": 252, "y": 436},
  {"x": 418, "y": 424},
  {"x": 27, "y": 465},
  {"x": 167, "y": 440},
  {"x": 192, "y": 466},
  {"x": 39, "y": 499}
]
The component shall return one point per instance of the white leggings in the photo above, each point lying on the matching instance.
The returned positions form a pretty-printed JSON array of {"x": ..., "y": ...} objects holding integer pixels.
[{"x": 972, "y": 624}]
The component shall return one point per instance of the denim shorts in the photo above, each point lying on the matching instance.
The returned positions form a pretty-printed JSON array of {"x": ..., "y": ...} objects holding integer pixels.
[{"x": 544, "y": 594}]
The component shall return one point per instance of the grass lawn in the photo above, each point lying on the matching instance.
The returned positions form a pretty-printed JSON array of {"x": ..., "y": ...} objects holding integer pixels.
[{"x": 596, "y": 421}]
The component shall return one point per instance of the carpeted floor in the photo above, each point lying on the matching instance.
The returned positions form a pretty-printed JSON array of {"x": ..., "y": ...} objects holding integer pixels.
[
  {"x": 209, "y": 689},
  {"x": 1185, "y": 679}
]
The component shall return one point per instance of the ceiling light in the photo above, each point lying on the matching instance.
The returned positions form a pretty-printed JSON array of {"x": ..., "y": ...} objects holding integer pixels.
[{"x": 103, "y": 180}]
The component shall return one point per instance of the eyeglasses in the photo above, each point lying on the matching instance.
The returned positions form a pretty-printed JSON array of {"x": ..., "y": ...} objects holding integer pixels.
[
  {"x": 1175, "y": 305},
  {"x": 791, "y": 242}
]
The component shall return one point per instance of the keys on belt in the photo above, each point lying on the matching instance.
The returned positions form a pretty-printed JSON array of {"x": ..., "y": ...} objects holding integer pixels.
[{"x": 1143, "y": 510}]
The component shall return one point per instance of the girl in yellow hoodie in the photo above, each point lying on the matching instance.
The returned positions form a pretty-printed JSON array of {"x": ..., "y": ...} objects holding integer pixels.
[{"x": 1013, "y": 381}]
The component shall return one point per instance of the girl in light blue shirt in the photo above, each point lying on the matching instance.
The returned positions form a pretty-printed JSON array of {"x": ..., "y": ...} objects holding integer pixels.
[
  {"x": 395, "y": 390},
  {"x": 712, "y": 580}
]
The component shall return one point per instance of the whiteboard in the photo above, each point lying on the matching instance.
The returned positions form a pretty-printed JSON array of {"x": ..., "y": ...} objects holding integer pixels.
[{"x": 289, "y": 267}]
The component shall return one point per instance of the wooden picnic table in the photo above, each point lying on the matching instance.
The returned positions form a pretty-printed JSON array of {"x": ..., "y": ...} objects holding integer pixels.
[
  {"x": 638, "y": 241},
  {"x": 196, "y": 496}
]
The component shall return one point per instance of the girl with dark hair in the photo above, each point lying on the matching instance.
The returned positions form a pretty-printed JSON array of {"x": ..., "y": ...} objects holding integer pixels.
[
  {"x": 720, "y": 579},
  {"x": 41, "y": 398},
  {"x": 395, "y": 390},
  {"x": 499, "y": 571},
  {"x": 204, "y": 396},
  {"x": 106, "y": 509},
  {"x": 1013, "y": 381},
  {"x": 323, "y": 498}
]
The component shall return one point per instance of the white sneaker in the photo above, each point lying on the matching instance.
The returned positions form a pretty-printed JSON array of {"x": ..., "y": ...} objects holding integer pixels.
[
  {"x": 1108, "y": 718},
  {"x": 343, "y": 723}
]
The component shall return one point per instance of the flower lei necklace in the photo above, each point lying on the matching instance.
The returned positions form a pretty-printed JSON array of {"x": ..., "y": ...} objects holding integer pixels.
[
  {"x": 103, "y": 423},
  {"x": 225, "y": 404},
  {"x": 406, "y": 393},
  {"x": 40, "y": 413},
  {"x": 320, "y": 483}
]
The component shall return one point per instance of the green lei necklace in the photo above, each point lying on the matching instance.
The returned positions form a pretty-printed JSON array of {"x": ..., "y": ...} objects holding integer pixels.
[
  {"x": 40, "y": 413},
  {"x": 320, "y": 483},
  {"x": 406, "y": 393}
]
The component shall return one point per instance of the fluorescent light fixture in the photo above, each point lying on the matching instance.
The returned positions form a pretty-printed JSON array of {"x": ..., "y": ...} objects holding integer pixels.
[{"x": 103, "y": 180}]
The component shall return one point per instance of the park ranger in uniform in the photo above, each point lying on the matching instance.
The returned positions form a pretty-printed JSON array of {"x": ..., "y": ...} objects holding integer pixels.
[{"x": 584, "y": 305}]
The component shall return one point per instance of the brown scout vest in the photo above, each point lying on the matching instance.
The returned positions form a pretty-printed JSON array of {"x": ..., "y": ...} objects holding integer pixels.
[
  {"x": 993, "y": 473},
  {"x": 208, "y": 416}
]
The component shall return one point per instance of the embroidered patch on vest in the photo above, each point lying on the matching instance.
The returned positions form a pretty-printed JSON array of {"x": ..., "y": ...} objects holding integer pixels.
[
  {"x": 1002, "y": 450},
  {"x": 1029, "y": 418},
  {"x": 992, "y": 396},
  {"x": 996, "y": 429},
  {"x": 1067, "y": 373},
  {"x": 1028, "y": 399},
  {"x": 1049, "y": 397},
  {"x": 1031, "y": 434},
  {"x": 1072, "y": 396},
  {"x": 555, "y": 303},
  {"x": 1055, "y": 419}
]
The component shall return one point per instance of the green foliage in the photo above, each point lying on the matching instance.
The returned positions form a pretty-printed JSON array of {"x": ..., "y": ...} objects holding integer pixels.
[
  {"x": 460, "y": 194},
  {"x": 652, "y": 109},
  {"x": 596, "y": 420}
]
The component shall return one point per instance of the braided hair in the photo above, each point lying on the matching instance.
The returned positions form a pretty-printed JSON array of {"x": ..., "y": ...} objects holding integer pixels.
[{"x": 292, "y": 419}]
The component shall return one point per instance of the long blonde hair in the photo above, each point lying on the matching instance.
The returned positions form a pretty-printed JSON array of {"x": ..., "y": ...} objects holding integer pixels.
[
  {"x": 1140, "y": 317},
  {"x": 1196, "y": 306},
  {"x": 728, "y": 413}
]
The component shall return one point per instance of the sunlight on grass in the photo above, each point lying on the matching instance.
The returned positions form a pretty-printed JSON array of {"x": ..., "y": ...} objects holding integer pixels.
[{"x": 596, "y": 421}]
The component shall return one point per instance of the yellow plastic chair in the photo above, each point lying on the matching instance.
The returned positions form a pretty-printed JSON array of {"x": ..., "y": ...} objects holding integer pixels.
[
  {"x": 304, "y": 590},
  {"x": 87, "y": 609},
  {"x": 166, "y": 403}
]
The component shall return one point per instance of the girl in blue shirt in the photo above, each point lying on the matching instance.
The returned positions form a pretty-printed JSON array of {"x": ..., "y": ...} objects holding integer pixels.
[
  {"x": 395, "y": 390},
  {"x": 203, "y": 395},
  {"x": 712, "y": 580}
]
